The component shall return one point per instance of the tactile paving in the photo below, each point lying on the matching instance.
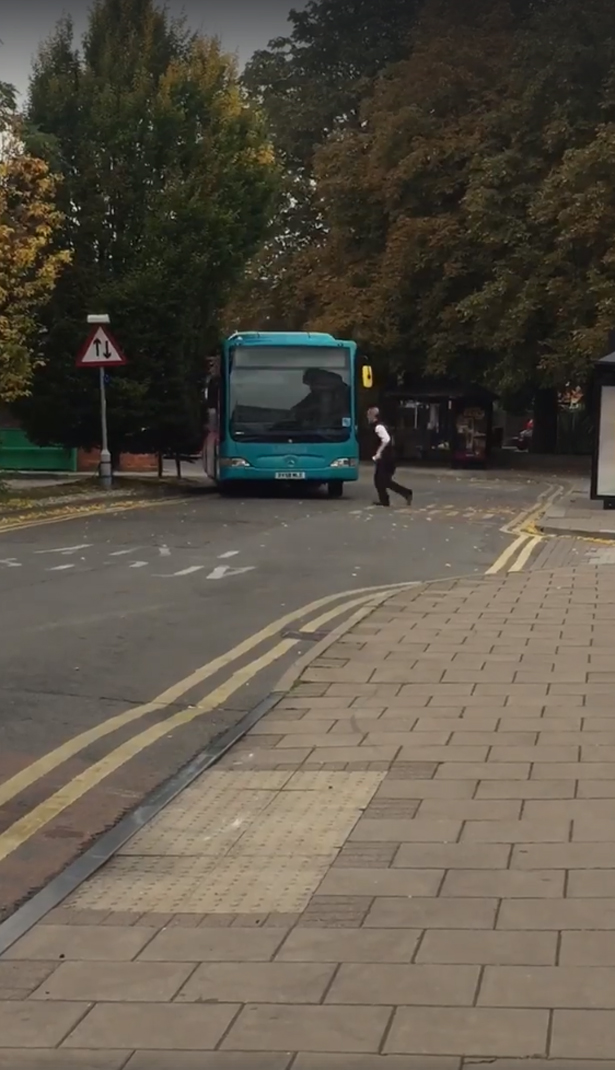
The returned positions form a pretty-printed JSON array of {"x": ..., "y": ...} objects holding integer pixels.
[
  {"x": 231, "y": 845},
  {"x": 245, "y": 885},
  {"x": 299, "y": 823},
  {"x": 248, "y": 780},
  {"x": 203, "y": 824}
]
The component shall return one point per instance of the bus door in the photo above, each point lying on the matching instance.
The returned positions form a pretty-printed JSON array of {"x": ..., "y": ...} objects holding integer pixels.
[{"x": 211, "y": 445}]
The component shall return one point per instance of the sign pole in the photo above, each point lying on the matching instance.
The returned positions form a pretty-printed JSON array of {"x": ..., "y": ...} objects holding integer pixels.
[
  {"x": 106, "y": 473},
  {"x": 102, "y": 351}
]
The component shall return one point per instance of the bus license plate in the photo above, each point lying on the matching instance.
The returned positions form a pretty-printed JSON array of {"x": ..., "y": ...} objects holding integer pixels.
[{"x": 290, "y": 475}]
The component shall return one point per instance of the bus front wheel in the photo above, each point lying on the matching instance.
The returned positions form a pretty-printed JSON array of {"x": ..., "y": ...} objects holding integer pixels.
[{"x": 335, "y": 488}]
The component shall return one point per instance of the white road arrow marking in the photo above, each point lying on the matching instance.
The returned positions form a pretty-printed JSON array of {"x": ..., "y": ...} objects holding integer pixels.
[
  {"x": 11, "y": 562},
  {"x": 66, "y": 549},
  {"x": 164, "y": 551},
  {"x": 223, "y": 572}
]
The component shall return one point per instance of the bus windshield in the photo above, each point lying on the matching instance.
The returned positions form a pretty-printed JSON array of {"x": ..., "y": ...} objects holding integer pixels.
[{"x": 301, "y": 392}]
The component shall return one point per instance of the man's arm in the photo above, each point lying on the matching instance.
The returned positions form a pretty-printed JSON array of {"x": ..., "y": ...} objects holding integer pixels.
[{"x": 385, "y": 438}]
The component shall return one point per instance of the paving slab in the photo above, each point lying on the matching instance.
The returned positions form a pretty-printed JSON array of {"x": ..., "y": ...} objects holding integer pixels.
[
  {"x": 423, "y": 984},
  {"x": 24, "y": 1024},
  {"x": 350, "y": 945},
  {"x": 468, "y": 1031},
  {"x": 161, "y": 1026},
  {"x": 326, "y": 1029},
  {"x": 61, "y": 1059}
]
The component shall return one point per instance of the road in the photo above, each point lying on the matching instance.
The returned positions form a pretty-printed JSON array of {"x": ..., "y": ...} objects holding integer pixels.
[{"x": 110, "y": 616}]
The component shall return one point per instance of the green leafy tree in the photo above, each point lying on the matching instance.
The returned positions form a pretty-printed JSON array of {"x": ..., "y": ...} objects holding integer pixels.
[
  {"x": 534, "y": 206},
  {"x": 466, "y": 219},
  {"x": 394, "y": 260},
  {"x": 169, "y": 185},
  {"x": 312, "y": 82},
  {"x": 311, "y": 85}
]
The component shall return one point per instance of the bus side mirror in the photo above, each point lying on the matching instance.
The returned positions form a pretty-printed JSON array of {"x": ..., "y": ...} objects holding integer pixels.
[{"x": 367, "y": 376}]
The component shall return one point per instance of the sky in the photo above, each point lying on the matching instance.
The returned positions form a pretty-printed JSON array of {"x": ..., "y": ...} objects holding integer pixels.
[{"x": 242, "y": 25}]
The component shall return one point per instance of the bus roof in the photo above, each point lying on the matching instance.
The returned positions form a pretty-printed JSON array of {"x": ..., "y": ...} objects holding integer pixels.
[{"x": 288, "y": 338}]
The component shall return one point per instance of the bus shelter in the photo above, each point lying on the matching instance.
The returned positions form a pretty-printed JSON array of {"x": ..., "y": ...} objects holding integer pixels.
[{"x": 442, "y": 423}]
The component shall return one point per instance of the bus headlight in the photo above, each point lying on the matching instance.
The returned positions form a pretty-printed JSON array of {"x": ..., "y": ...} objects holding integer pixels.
[
  {"x": 234, "y": 462},
  {"x": 344, "y": 462}
]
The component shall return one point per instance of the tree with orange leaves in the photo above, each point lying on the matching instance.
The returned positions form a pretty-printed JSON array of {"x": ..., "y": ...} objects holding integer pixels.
[{"x": 30, "y": 261}]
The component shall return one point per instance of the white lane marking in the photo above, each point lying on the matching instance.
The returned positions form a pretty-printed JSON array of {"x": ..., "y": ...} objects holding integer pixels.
[
  {"x": 164, "y": 551},
  {"x": 60, "y": 568},
  {"x": 122, "y": 553},
  {"x": 223, "y": 572},
  {"x": 66, "y": 549},
  {"x": 229, "y": 553},
  {"x": 11, "y": 562},
  {"x": 188, "y": 571},
  {"x": 139, "y": 564}
]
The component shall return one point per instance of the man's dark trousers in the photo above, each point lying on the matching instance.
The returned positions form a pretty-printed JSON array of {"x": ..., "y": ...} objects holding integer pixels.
[{"x": 384, "y": 482}]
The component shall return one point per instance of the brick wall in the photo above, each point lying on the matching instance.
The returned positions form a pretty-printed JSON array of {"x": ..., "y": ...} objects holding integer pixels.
[{"x": 88, "y": 461}]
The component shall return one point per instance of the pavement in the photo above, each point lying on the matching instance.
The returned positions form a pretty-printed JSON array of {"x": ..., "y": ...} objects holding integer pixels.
[
  {"x": 24, "y": 481},
  {"x": 574, "y": 513},
  {"x": 55, "y": 499},
  {"x": 406, "y": 863}
]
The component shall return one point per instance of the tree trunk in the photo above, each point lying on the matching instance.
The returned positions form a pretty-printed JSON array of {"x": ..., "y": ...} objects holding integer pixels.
[
  {"x": 544, "y": 437},
  {"x": 178, "y": 465},
  {"x": 160, "y": 465}
]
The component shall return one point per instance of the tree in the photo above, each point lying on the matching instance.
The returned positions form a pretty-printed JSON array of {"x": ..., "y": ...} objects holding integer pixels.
[
  {"x": 393, "y": 260},
  {"x": 466, "y": 219},
  {"x": 312, "y": 82},
  {"x": 311, "y": 85},
  {"x": 534, "y": 208},
  {"x": 314, "y": 85},
  {"x": 169, "y": 185},
  {"x": 30, "y": 260}
]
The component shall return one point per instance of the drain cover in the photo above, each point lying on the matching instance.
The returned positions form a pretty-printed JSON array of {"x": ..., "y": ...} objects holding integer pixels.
[{"x": 311, "y": 637}]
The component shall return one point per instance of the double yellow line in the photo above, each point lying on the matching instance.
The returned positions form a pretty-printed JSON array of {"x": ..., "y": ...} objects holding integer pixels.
[
  {"x": 516, "y": 556},
  {"x": 362, "y": 601}
]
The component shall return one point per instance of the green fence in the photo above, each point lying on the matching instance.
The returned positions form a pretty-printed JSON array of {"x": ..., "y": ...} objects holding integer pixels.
[{"x": 18, "y": 454}]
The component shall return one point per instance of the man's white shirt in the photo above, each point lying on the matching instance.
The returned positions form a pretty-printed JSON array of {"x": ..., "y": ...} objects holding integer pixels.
[{"x": 385, "y": 439}]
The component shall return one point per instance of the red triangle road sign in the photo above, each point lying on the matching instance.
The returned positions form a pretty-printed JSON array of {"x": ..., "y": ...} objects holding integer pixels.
[{"x": 100, "y": 351}]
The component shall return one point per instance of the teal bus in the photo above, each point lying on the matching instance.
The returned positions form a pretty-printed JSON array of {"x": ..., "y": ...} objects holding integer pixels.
[{"x": 283, "y": 407}]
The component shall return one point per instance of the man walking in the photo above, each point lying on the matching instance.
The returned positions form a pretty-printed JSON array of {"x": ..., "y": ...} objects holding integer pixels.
[{"x": 384, "y": 459}]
